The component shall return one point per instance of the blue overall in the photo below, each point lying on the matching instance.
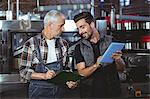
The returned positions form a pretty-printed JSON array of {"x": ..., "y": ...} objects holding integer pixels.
[{"x": 41, "y": 89}]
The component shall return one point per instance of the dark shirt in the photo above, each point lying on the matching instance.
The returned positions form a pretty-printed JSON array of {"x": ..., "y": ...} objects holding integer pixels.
[
  {"x": 102, "y": 77},
  {"x": 99, "y": 78},
  {"x": 78, "y": 56}
]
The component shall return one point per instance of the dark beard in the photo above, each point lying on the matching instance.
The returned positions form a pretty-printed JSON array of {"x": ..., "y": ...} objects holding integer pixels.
[{"x": 87, "y": 38}]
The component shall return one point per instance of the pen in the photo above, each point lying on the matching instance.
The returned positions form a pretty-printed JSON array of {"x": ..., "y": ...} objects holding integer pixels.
[
  {"x": 78, "y": 80},
  {"x": 46, "y": 68},
  {"x": 56, "y": 71}
]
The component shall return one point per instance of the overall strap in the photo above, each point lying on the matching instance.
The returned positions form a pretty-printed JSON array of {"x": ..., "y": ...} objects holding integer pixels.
[
  {"x": 59, "y": 46},
  {"x": 38, "y": 50}
]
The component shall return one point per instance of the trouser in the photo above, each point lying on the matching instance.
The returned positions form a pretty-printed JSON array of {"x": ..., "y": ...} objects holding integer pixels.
[
  {"x": 44, "y": 90},
  {"x": 85, "y": 91},
  {"x": 41, "y": 89}
]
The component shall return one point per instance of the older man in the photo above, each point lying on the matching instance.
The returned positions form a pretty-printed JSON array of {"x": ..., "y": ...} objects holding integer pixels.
[{"x": 43, "y": 57}]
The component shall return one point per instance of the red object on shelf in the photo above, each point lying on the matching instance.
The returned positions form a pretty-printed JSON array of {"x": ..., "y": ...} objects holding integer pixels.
[
  {"x": 118, "y": 21},
  {"x": 145, "y": 38},
  {"x": 108, "y": 19}
]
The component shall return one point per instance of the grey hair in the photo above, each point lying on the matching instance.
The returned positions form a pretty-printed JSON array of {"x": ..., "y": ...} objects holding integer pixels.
[{"x": 52, "y": 16}]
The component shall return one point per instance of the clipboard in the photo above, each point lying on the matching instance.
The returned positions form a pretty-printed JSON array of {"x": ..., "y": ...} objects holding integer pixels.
[
  {"x": 64, "y": 76},
  {"x": 113, "y": 47}
]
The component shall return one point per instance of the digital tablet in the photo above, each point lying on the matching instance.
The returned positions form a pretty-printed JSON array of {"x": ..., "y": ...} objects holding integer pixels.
[{"x": 113, "y": 47}]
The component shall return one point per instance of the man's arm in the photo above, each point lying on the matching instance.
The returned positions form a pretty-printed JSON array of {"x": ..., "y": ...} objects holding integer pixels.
[
  {"x": 82, "y": 69},
  {"x": 120, "y": 64},
  {"x": 25, "y": 64},
  {"x": 86, "y": 71},
  {"x": 119, "y": 61},
  {"x": 43, "y": 76}
]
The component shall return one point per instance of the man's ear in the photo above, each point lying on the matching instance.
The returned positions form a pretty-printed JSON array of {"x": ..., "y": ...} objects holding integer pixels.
[{"x": 92, "y": 24}]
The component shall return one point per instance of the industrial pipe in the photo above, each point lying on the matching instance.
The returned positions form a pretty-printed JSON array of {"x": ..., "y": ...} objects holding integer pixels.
[
  {"x": 38, "y": 4},
  {"x": 112, "y": 18},
  {"x": 65, "y": 7},
  {"x": 17, "y": 10},
  {"x": 134, "y": 18},
  {"x": 9, "y": 15},
  {"x": 8, "y": 5},
  {"x": 92, "y": 8}
]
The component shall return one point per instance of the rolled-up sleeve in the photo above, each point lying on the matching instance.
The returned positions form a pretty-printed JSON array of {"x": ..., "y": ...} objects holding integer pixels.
[{"x": 26, "y": 63}]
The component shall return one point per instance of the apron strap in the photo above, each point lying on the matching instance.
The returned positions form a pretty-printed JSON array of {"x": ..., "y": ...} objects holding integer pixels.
[{"x": 37, "y": 44}]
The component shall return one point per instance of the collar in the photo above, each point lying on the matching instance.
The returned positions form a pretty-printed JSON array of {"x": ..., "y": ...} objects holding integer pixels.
[
  {"x": 44, "y": 39},
  {"x": 102, "y": 36}
]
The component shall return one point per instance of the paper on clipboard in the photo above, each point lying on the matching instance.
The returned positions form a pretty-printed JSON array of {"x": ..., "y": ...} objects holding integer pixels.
[{"x": 113, "y": 47}]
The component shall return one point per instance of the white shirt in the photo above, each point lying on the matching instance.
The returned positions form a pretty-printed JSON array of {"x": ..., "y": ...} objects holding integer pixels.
[{"x": 51, "y": 57}]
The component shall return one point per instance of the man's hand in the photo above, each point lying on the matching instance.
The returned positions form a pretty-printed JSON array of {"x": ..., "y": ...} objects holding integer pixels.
[
  {"x": 119, "y": 61},
  {"x": 49, "y": 74},
  {"x": 117, "y": 55},
  {"x": 43, "y": 76},
  {"x": 71, "y": 84},
  {"x": 98, "y": 62}
]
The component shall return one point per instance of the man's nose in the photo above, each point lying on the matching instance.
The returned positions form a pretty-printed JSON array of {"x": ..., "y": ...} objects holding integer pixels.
[{"x": 80, "y": 32}]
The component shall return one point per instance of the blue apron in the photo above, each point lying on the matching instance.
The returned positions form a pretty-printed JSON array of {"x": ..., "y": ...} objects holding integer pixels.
[{"x": 41, "y": 89}]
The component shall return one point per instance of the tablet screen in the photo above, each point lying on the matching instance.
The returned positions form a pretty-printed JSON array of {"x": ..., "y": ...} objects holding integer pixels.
[{"x": 113, "y": 47}]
